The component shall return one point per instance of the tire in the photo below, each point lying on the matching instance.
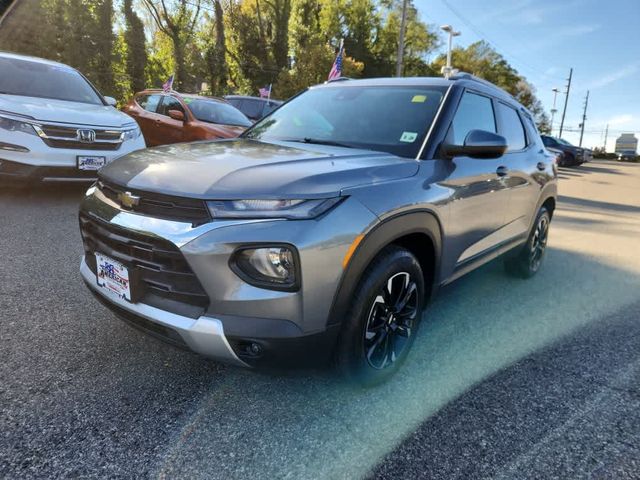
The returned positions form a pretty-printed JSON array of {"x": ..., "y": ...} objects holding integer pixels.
[
  {"x": 528, "y": 260},
  {"x": 377, "y": 332}
]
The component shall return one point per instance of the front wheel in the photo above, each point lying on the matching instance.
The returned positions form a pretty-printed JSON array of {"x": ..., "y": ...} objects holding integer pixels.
[
  {"x": 381, "y": 324},
  {"x": 527, "y": 261}
]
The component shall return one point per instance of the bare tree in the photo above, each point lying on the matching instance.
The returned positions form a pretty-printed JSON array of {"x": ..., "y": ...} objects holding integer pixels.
[{"x": 177, "y": 19}]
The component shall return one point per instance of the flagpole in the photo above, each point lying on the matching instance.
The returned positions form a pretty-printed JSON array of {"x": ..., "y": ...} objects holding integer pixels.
[{"x": 269, "y": 94}]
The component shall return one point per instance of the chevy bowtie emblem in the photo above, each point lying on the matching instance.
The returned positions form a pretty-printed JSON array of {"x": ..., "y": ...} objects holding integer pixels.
[
  {"x": 86, "y": 136},
  {"x": 128, "y": 200}
]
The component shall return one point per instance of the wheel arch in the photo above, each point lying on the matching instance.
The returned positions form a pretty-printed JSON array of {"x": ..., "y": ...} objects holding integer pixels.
[{"x": 419, "y": 232}]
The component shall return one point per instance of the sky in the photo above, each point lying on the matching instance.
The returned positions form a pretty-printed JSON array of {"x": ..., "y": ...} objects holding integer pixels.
[{"x": 543, "y": 39}]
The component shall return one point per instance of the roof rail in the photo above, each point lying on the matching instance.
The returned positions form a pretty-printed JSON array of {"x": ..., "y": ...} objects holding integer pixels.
[
  {"x": 468, "y": 76},
  {"x": 339, "y": 79}
]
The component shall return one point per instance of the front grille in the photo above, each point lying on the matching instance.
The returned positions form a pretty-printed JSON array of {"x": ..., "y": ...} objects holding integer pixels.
[
  {"x": 160, "y": 275},
  {"x": 158, "y": 205},
  {"x": 59, "y": 136}
]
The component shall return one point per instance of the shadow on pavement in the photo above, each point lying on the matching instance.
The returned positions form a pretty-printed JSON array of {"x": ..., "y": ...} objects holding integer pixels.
[
  {"x": 570, "y": 410},
  {"x": 598, "y": 205}
]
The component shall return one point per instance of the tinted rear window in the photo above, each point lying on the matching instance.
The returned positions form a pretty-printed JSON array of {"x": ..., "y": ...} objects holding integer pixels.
[
  {"x": 511, "y": 128},
  {"x": 34, "y": 79}
]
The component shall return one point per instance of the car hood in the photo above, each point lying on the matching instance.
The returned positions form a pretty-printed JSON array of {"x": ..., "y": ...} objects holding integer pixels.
[
  {"x": 249, "y": 169},
  {"x": 49, "y": 110}
]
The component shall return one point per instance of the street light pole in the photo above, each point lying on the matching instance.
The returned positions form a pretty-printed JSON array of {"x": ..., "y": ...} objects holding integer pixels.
[
  {"x": 447, "y": 70},
  {"x": 553, "y": 110},
  {"x": 403, "y": 27}
]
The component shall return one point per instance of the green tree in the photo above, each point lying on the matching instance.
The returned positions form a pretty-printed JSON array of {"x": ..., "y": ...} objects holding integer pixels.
[
  {"x": 215, "y": 51},
  {"x": 103, "y": 41},
  {"x": 136, "y": 50}
]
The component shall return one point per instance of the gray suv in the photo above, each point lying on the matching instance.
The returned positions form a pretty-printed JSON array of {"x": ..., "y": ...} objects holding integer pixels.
[{"x": 322, "y": 232}]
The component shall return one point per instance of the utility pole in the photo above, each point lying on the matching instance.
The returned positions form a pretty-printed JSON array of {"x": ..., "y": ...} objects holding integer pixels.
[
  {"x": 566, "y": 100},
  {"x": 555, "y": 91},
  {"x": 403, "y": 27},
  {"x": 606, "y": 137},
  {"x": 584, "y": 117},
  {"x": 447, "y": 70}
]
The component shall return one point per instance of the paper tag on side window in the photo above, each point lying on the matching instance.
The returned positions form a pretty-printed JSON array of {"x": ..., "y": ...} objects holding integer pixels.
[
  {"x": 408, "y": 137},
  {"x": 419, "y": 99}
]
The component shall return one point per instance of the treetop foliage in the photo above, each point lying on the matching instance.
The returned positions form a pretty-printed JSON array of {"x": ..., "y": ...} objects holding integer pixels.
[{"x": 224, "y": 46}]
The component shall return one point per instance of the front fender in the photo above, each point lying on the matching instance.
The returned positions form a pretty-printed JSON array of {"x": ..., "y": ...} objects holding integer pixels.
[{"x": 375, "y": 240}]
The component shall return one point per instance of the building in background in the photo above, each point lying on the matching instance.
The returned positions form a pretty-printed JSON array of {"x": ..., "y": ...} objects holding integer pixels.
[{"x": 627, "y": 143}]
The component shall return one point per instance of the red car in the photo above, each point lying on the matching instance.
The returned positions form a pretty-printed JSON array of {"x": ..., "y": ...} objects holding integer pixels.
[{"x": 175, "y": 117}]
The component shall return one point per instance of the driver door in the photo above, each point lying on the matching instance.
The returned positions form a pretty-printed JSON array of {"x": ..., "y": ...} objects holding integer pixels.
[{"x": 478, "y": 211}]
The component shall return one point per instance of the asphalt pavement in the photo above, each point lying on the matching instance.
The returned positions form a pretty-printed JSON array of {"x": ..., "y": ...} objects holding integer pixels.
[{"x": 508, "y": 378}]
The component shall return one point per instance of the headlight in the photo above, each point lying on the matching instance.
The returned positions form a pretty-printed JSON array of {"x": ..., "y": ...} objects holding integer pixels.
[
  {"x": 131, "y": 134},
  {"x": 290, "y": 209},
  {"x": 16, "y": 125},
  {"x": 274, "y": 267}
]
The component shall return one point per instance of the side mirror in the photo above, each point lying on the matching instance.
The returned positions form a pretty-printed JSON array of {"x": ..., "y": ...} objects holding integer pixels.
[
  {"x": 478, "y": 144},
  {"x": 111, "y": 101},
  {"x": 176, "y": 115}
]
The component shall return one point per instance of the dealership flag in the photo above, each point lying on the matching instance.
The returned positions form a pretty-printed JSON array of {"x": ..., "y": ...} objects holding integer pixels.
[
  {"x": 336, "y": 69},
  {"x": 265, "y": 91},
  {"x": 168, "y": 85}
]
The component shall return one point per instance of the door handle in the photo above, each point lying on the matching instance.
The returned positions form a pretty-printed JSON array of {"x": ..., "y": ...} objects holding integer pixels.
[
  {"x": 502, "y": 171},
  {"x": 541, "y": 166}
]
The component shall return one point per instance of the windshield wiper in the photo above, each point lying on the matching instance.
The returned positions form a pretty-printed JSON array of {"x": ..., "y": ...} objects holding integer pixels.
[{"x": 319, "y": 141}]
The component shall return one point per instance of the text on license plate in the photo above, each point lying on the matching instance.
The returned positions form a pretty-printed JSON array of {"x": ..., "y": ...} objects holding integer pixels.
[
  {"x": 112, "y": 276},
  {"x": 86, "y": 162}
]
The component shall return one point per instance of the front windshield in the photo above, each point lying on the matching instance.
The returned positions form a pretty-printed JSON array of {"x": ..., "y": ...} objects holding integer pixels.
[
  {"x": 34, "y": 79},
  {"x": 564, "y": 142},
  {"x": 391, "y": 119},
  {"x": 216, "y": 112}
]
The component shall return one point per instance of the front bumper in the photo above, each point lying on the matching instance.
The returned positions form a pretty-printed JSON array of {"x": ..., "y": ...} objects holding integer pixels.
[
  {"x": 204, "y": 335},
  {"x": 290, "y": 327},
  {"x": 40, "y": 162}
]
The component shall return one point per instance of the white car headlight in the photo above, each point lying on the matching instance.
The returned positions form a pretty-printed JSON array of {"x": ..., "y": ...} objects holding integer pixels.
[
  {"x": 131, "y": 133},
  {"x": 295, "y": 209},
  {"x": 15, "y": 124}
]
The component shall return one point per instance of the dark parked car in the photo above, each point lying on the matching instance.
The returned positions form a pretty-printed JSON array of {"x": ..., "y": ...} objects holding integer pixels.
[
  {"x": 176, "y": 117},
  {"x": 627, "y": 156},
  {"x": 323, "y": 231},
  {"x": 253, "y": 107},
  {"x": 571, "y": 155}
]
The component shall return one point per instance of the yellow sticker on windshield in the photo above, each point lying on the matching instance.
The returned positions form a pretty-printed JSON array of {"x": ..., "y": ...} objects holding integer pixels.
[{"x": 419, "y": 99}]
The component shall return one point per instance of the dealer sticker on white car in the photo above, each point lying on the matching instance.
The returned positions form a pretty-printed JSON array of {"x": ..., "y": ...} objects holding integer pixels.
[
  {"x": 113, "y": 276},
  {"x": 91, "y": 162}
]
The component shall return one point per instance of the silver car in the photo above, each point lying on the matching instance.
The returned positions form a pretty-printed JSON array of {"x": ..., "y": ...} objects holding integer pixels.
[{"x": 321, "y": 233}]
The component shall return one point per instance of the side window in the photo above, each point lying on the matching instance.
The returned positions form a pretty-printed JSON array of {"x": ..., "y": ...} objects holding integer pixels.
[
  {"x": 475, "y": 112},
  {"x": 268, "y": 108},
  {"x": 252, "y": 108},
  {"x": 511, "y": 128},
  {"x": 149, "y": 102},
  {"x": 236, "y": 102},
  {"x": 169, "y": 103},
  {"x": 548, "y": 142}
]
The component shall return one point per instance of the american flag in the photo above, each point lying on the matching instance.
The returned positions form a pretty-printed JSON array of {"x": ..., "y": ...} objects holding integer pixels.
[
  {"x": 265, "y": 91},
  {"x": 168, "y": 85},
  {"x": 336, "y": 69}
]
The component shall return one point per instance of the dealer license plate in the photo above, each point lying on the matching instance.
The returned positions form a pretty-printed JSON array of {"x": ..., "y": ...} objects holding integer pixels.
[
  {"x": 113, "y": 276},
  {"x": 86, "y": 162}
]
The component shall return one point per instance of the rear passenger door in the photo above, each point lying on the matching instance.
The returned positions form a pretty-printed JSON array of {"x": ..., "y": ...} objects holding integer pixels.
[
  {"x": 481, "y": 199},
  {"x": 521, "y": 159}
]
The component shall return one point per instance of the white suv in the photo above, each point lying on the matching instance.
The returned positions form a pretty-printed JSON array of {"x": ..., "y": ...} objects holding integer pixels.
[{"x": 55, "y": 125}]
